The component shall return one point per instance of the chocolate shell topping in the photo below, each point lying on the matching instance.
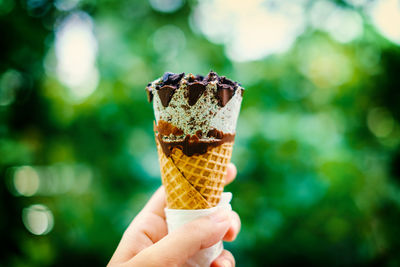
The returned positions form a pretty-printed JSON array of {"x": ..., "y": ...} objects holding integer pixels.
[
  {"x": 149, "y": 92},
  {"x": 224, "y": 94},
  {"x": 195, "y": 90},
  {"x": 169, "y": 82},
  {"x": 170, "y": 78},
  {"x": 197, "y": 78},
  {"x": 165, "y": 93},
  {"x": 211, "y": 76},
  {"x": 166, "y": 89}
]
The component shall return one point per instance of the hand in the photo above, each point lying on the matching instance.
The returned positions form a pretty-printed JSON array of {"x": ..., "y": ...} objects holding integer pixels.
[{"x": 146, "y": 243}]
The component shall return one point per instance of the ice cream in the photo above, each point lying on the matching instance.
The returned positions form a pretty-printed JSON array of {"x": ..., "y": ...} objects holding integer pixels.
[{"x": 195, "y": 122}]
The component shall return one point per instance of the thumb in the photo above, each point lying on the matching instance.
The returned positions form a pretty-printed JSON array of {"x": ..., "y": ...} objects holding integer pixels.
[{"x": 177, "y": 247}]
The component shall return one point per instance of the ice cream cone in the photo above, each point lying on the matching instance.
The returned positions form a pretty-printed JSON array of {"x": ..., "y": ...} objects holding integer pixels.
[
  {"x": 195, "y": 129},
  {"x": 194, "y": 182}
]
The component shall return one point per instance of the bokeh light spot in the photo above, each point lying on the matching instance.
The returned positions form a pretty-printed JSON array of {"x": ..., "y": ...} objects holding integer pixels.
[
  {"x": 250, "y": 30},
  {"x": 51, "y": 180},
  {"x": 166, "y": 6},
  {"x": 26, "y": 181},
  {"x": 325, "y": 65},
  {"x": 38, "y": 219},
  {"x": 10, "y": 82},
  {"x": 76, "y": 50},
  {"x": 319, "y": 130},
  {"x": 380, "y": 122},
  {"x": 65, "y": 5},
  {"x": 386, "y": 17},
  {"x": 357, "y": 3},
  {"x": 344, "y": 25},
  {"x": 168, "y": 41},
  {"x": 147, "y": 161}
]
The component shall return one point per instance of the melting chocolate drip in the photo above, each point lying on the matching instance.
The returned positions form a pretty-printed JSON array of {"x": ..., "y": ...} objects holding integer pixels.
[
  {"x": 192, "y": 145},
  {"x": 195, "y": 90},
  {"x": 165, "y": 128},
  {"x": 165, "y": 93},
  {"x": 216, "y": 134}
]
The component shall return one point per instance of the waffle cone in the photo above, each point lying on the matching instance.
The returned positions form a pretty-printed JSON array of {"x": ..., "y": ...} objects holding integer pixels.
[{"x": 194, "y": 182}]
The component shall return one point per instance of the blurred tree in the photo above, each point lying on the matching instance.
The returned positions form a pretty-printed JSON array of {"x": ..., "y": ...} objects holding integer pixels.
[{"x": 317, "y": 144}]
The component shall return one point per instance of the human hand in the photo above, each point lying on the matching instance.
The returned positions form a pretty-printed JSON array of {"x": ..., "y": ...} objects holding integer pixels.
[{"x": 146, "y": 243}]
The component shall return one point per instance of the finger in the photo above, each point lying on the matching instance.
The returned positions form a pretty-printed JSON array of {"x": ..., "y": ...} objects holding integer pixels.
[
  {"x": 156, "y": 204},
  {"x": 150, "y": 222},
  {"x": 225, "y": 259},
  {"x": 230, "y": 173},
  {"x": 234, "y": 229},
  {"x": 178, "y": 246},
  {"x": 147, "y": 227}
]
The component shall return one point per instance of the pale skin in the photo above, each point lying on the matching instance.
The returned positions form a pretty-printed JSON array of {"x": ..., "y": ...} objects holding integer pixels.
[{"x": 145, "y": 242}]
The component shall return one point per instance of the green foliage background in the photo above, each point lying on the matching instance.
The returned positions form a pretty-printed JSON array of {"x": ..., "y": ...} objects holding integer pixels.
[{"x": 319, "y": 163}]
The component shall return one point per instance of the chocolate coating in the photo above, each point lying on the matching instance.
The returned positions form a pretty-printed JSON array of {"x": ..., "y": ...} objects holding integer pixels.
[
  {"x": 165, "y": 128},
  {"x": 192, "y": 145}
]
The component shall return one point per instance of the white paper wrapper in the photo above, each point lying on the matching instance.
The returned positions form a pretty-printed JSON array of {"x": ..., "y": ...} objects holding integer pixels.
[{"x": 177, "y": 218}]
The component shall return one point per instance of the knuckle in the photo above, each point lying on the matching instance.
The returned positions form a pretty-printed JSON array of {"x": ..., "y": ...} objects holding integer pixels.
[
  {"x": 230, "y": 257},
  {"x": 236, "y": 220},
  {"x": 147, "y": 258},
  {"x": 147, "y": 218},
  {"x": 195, "y": 226}
]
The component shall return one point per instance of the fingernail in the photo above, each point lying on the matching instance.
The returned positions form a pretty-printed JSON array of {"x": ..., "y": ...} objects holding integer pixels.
[
  {"x": 226, "y": 263},
  {"x": 219, "y": 216}
]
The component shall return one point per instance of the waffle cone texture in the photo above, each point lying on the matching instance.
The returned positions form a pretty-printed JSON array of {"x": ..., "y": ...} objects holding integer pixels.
[{"x": 194, "y": 182}]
